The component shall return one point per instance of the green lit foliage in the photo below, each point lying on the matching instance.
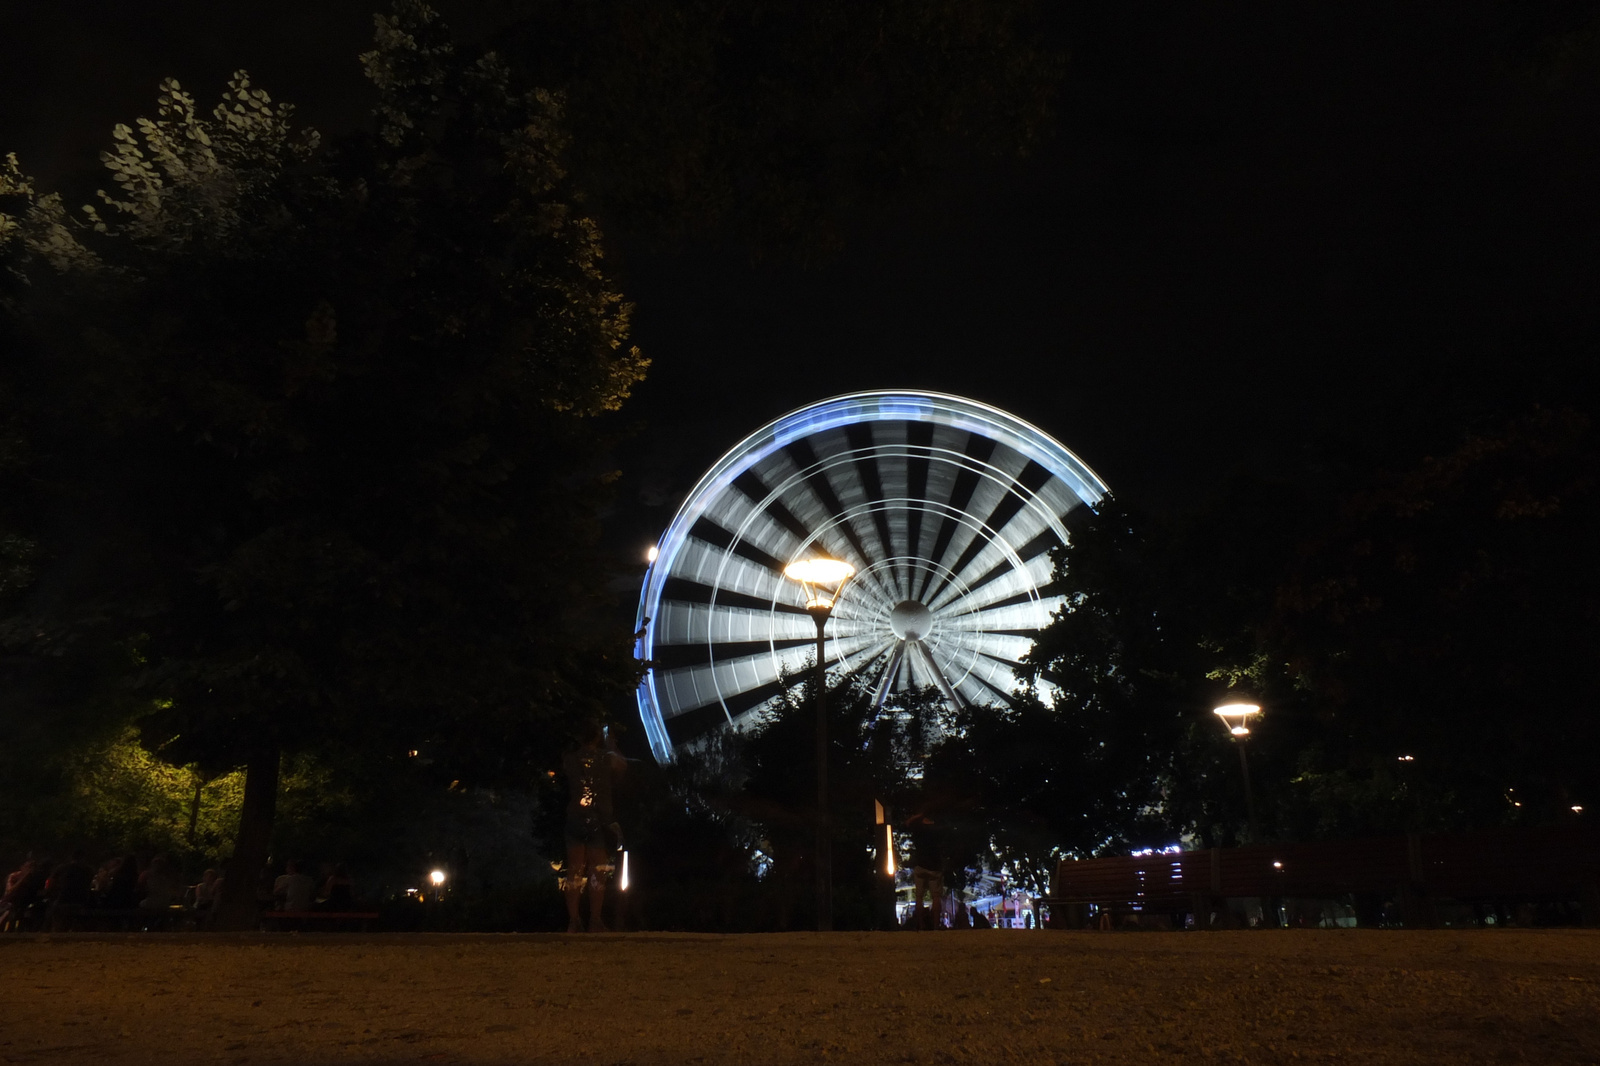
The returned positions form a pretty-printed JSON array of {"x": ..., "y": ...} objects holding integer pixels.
[{"x": 126, "y": 799}]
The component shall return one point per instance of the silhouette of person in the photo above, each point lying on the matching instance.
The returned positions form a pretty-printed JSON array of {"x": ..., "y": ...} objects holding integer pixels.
[{"x": 590, "y": 768}]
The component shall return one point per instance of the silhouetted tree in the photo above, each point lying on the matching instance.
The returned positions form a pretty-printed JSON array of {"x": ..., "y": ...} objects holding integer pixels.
[{"x": 320, "y": 425}]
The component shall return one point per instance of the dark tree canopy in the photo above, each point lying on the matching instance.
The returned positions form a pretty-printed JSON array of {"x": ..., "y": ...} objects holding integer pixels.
[
  {"x": 322, "y": 423},
  {"x": 773, "y": 119}
]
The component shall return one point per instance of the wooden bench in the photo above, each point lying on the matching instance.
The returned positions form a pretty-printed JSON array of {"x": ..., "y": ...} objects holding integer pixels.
[
  {"x": 327, "y": 921},
  {"x": 64, "y": 918}
]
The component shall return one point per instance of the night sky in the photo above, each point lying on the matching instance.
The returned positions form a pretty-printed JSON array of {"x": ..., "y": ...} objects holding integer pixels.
[{"x": 1283, "y": 242}]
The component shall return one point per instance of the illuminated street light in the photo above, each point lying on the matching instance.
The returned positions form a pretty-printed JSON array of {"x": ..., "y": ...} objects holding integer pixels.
[
  {"x": 1236, "y": 716},
  {"x": 652, "y": 555},
  {"x": 822, "y": 580},
  {"x": 1236, "y": 719}
]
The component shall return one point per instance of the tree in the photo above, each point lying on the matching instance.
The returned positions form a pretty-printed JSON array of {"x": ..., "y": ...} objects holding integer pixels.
[
  {"x": 772, "y": 120},
  {"x": 1450, "y": 615},
  {"x": 1111, "y": 744},
  {"x": 325, "y": 418}
]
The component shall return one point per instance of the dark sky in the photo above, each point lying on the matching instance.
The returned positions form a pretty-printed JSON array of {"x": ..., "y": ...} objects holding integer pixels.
[{"x": 1283, "y": 239}]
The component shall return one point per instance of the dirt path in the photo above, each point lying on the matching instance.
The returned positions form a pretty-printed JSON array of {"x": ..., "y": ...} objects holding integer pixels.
[{"x": 994, "y": 997}]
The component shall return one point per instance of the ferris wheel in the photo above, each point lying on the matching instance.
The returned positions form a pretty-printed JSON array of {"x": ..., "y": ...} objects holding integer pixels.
[{"x": 946, "y": 507}]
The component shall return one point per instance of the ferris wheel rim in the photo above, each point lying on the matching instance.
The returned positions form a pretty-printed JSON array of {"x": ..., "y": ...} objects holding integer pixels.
[{"x": 835, "y": 412}]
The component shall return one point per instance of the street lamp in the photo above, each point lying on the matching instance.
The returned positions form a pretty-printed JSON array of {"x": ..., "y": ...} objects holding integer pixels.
[
  {"x": 1236, "y": 718},
  {"x": 822, "y": 579}
]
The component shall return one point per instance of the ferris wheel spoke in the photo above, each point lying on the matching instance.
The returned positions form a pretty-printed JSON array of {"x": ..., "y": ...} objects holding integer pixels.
[
  {"x": 981, "y": 688},
  {"x": 993, "y": 498},
  {"x": 976, "y": 451},
  {"x": 814, "y": 473},
  {"x": 702, "y": 625}
]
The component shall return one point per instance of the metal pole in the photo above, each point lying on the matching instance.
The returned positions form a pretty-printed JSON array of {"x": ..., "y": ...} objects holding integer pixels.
[
  {"x": 824, "y": 845},
  {"x": 1249, "y": 796}
]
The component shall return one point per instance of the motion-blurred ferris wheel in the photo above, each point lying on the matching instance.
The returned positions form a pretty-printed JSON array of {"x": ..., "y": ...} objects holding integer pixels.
[{"x": 946, "y": 507}]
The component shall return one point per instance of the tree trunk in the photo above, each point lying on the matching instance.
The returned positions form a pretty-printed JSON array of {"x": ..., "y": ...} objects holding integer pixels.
[
  {"x": 194, "y": 809},
  {"x": 236, "y": 910}
]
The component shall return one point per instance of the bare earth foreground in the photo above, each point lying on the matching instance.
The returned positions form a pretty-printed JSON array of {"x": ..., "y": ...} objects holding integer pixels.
[{"x": 991, "y": 997}]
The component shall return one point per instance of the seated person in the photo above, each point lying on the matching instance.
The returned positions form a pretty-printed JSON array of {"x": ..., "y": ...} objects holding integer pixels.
[
  {"x": 206, "y": 892},
  {"x": 339, "y": 891},
  {"x": 69, "y": 884},
  {"x": 293, "y": 890},
  {"x": 163, "y": 887},
  {"x": 121, "y": 892}
]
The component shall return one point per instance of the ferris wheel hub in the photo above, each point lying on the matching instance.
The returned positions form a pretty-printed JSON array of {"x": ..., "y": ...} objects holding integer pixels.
[{"x": 910, "y": 620}]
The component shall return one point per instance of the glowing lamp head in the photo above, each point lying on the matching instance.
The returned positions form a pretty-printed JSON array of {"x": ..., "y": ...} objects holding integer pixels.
[
  {"x": 653, "y": 554},
  {"x": 437, "y": 877},
  {"x": 1236, "y": 717},
  {"x": 822, "y": 579}
]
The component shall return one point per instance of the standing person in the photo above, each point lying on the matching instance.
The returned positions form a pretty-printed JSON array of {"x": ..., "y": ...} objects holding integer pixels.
[{"x": 589, "y": 768}]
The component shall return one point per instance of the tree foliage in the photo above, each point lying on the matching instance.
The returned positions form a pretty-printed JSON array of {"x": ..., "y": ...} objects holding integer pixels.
[
  {"x": 772, "y": 120},
  {"x": 1450, "y": 613},
  {"x": 335, "y": 409}
]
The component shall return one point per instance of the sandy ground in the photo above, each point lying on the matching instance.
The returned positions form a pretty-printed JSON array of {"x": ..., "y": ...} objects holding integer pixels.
[{"x": 992, "y": 997}]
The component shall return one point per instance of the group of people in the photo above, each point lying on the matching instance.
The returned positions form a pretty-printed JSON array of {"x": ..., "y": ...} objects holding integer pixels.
[
  {"x": 44, "y": 894},
  {"x": 41, "y": 891},
  {"x": 296, "y": 892}
]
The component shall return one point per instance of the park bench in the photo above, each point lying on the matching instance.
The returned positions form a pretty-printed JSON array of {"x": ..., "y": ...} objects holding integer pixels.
[
  {"x": 67, "y": 918},
  {"x": 314, "y": 921}
]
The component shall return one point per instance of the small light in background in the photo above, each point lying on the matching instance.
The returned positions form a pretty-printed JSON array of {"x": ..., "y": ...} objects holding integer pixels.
[
  {"x": 1406, "y": 758},
  {"x": 1277, "y": 865},
  {"x": 624, "y": 882},
  {"x": 1576, "y": 809},
  {"x": 437, "y": 877},
  {"x": 651, "y": 555}
]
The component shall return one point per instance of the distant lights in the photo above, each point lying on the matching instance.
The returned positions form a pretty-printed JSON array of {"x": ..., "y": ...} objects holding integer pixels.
[
  {"x": 653, "y": 554},
  {"x": 1577, "y": 808},
  {"x": 1276, "y": 865},
  {"x": 1406, "y": 758},
  {"x": 437, "y": 877}
]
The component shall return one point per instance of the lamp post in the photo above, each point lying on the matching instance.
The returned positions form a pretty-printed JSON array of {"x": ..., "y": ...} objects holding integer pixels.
[
  {"x": 1236, "y": 718},
  {"x": 822, "y": 580}
]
